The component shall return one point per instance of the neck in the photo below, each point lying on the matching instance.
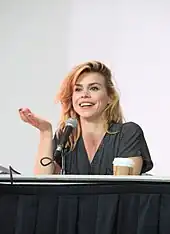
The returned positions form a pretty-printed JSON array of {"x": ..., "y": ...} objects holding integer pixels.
[{"x": 92, "y": 128}]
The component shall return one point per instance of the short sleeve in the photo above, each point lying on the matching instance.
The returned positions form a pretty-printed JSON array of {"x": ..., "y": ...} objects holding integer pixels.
[{"x": 133, "y": 143}]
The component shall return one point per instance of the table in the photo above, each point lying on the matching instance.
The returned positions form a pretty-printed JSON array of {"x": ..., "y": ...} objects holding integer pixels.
[{"x": 70, "y": 204}]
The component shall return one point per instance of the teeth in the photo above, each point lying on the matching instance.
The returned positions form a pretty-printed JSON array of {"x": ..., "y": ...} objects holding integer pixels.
[{"x": 86, "y": 104}]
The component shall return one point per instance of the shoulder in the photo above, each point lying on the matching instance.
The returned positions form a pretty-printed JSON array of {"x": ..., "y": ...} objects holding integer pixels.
[
  {"x": 131, "y": 127},
  {"x": 126, "y": 128}
]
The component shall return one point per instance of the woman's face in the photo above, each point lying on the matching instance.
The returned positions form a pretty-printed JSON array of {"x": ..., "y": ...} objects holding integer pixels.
[{"x": 90, "y": 96}]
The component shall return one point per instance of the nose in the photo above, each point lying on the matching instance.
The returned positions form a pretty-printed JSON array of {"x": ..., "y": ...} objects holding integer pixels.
[{"x": 85, "y": 94}]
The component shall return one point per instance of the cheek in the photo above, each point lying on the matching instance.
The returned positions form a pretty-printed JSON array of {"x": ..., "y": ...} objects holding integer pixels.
[
  {"x": 103, "y": 98},
  {"x": 74, "y": 100}
]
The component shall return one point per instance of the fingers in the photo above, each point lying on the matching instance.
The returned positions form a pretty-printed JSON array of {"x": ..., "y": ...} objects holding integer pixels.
[
  {"x": 28, "y": 117},
  {"x": 24, "y": 114},
  {"x": 33, "y": 120}
]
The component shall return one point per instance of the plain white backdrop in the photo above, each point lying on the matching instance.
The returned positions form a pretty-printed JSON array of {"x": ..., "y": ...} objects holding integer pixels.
[{"x": 40, "y": 41}]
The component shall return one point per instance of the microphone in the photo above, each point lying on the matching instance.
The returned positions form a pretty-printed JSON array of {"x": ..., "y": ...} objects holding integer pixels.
[{"x": 69, "y": 126}]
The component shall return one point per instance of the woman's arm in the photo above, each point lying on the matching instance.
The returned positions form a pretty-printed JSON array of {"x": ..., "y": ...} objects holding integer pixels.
[
  {"x": 133, "y": 145},
  {"x": 44, "y": 150},
  {"x": 138, "y": 162}
]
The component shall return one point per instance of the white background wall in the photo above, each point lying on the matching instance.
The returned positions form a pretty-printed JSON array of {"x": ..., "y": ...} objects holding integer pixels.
[{"x": 40, "y": 42}]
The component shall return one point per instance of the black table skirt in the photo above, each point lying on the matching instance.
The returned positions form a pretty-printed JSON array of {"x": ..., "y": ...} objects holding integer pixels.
[{"x": 113, "y": 208}]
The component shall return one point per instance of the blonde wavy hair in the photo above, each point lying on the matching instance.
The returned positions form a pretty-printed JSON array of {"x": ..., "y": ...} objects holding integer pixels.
[{"x": 112, "y": 112}]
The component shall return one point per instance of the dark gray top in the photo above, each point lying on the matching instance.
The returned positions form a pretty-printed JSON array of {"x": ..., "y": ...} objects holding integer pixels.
[{"x": 123, "y": 140}]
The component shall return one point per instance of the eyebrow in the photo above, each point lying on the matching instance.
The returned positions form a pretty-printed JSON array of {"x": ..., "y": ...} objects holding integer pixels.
[{"x": 94, "y": 83}]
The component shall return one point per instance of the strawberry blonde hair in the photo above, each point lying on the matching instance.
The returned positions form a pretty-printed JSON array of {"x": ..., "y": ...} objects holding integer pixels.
[{"x": 112, "y": 112}]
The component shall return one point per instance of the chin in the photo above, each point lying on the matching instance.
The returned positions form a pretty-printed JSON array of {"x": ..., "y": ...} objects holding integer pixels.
[
  {"x": 86, "y": 116},
  {"x": 89, "y": 117}
]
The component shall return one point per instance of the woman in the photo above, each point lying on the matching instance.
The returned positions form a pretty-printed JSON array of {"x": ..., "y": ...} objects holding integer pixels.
[{"x": 89, "y": 95}]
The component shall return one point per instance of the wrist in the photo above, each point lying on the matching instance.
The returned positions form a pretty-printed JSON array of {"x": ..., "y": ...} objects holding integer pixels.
[{"x": 46, "y": 133}]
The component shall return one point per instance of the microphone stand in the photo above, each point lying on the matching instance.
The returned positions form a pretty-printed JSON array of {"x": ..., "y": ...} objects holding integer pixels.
[
  {"x": 60, "y": 159},
  {"x": 63, "y": 163}
]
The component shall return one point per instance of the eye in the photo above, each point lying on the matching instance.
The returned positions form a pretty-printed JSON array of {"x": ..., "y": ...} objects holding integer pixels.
[
  {"x": 94, "y": 88},
  {"x": 77, "y": 89}
]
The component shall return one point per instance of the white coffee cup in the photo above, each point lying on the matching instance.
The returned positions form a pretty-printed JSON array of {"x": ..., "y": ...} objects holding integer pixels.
[{"x": 123, "y": 166}]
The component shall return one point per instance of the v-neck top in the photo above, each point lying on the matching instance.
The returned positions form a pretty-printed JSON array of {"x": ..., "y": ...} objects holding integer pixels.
[{"x": 121, "y": 140}]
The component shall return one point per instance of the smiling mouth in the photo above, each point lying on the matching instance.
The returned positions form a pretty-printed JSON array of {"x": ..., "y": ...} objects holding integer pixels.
[{"x": 86, "y": 104}]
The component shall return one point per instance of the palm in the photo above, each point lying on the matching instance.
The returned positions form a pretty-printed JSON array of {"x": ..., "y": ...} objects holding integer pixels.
[{"x": 34, "y": 120}]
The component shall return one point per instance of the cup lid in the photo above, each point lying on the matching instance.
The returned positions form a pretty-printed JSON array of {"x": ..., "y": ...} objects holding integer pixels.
[{"x": 126, "y": 162}]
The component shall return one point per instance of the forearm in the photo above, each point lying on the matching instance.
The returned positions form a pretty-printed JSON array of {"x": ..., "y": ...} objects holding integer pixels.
[
  {"x": 138, "y": 162},
  {"x": 44, "y": 150}
]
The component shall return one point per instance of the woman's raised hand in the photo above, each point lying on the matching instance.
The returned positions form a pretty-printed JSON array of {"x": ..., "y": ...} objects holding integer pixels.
[{"x": 28, "y": 117}]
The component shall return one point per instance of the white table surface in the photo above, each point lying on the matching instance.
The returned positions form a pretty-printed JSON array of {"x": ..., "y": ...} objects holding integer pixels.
[{"x": 82, "y": 178}]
